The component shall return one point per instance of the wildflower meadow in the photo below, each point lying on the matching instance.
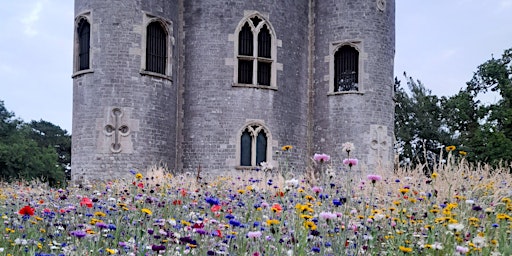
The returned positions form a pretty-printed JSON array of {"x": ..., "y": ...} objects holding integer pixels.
[{"x": 334, "y": 208}]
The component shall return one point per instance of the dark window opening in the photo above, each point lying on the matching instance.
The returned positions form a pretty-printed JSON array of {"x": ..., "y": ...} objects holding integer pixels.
[
  {"x": 245, "y": 44},
  {"x": 84, "y": 36},
  {"x": 245, "y": 71},
  {"x": 264, "y": 69},
  {"x": 156, "y": 48},
  {"x": 245, "y": 149},
  {"x": 346, "y": 69},
  {"x": 261, "y": 148},
  {"x": 256, "y": 20},
  {"x": 264, "y": 43}
]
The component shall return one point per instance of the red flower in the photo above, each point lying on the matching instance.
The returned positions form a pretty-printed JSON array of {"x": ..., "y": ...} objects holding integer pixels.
[
  {"x": 86, "y": 201},
  {"x": 176, "y": 202},
  {"x": 140, "y": 185},
  {"x": 216, "y": 208},
  {"x": 26, "y": 210}
]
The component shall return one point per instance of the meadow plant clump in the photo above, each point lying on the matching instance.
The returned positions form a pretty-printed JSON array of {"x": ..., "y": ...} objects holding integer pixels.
[{"x": 458, "y": 209}]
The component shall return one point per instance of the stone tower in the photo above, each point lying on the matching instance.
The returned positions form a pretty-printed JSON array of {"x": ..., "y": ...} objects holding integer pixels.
[{"x": 222, "y": 85}]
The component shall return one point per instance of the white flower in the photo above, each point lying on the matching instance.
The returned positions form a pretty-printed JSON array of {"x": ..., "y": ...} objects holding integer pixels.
[
  {"x": 347, "y": 146},
  {"x": 266, "y": 166},
  {"x": 469, "y": 201},
  {"x": 456, "y": 227},
  {"x": 479, "y": 241},
  {"x": 292, "y": 182}
]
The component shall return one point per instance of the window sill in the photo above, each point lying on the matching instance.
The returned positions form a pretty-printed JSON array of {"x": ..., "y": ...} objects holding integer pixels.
[
  {"x": 247, "y": 168},
  {"x": 82, "y": 72},
  {"x": 345, "y": 93},
  {"x": 267, "y": 87},
  {"x": 154, "y": 74}
]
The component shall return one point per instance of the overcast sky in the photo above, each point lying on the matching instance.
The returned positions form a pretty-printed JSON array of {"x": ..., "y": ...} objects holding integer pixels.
[{"x": 440, "y": 42}]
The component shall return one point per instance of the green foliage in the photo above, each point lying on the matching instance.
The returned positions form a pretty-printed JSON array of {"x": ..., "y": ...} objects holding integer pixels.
[
  {"x": 483, "y": 131},
  {"x": 418, "y": 124},
  {"x": 26, "y": 153}
]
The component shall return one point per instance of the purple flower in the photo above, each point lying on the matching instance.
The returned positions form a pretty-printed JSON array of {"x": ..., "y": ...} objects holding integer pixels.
[
  {"x": 78, "y": 233},
  {"x": 321, "y": 158},
  {"x": 158, "y": 248}
]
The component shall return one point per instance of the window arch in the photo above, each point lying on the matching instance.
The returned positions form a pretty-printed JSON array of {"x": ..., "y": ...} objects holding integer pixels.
[
  {"x": 255, "y": 53},
  {"x": 157, "y": 43},
  {"x": 346, "y": 69},
  {"x": 83, "y": 37},
  {"x": 156, "y": 48},
  {"x": 254, "y": 145}
]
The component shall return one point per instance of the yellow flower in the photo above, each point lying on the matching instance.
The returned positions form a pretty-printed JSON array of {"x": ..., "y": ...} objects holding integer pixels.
[
  {"x": 286, "y": 147},
  {"x": 404, "y": 190},
  {"x": 186, "y": 223},
  {"x": 450, "y": 148},
  {"x": 434, "y": 175},
  {"x": 306, "y": 217},
  {"x": 111, "y": 251},
  {"x": 405, "y": 249},
  {"x": 272, "y": 222},
  {"x": 463, "y": 153},
  {"x": 506, "y": 200},
  {"x": 146, "y": 211},
  {"x": 241, "y": 191},
  {"x": 138, "y": 176},
  {"x": 310, "y": 225},
  {"x": 100, "y": 214}
]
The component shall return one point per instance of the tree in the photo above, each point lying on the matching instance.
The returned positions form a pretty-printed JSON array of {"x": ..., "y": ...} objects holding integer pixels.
[
  {"x": 47, "y": 134},
  {"x": 22, "y": 157},
  {"x": 418, "y": 125}
]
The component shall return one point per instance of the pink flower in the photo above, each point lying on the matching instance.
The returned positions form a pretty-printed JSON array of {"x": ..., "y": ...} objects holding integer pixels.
[
  {"x": 462, "y": 249},
  {"x": 254, "y": 234},
  {"x": 321, "y": 158},
  {"x": 350, "y": 162},
  {"x": 374, "y": 178},
  {"x": 317, "y": 189},
  {"x": 328, "y": 215}
]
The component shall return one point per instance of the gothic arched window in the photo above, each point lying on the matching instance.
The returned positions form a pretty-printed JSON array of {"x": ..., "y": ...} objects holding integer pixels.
[
  {"x": 346, "y": 69},
  {"x": 254, "y": 142},
  {"x": 84, "y": 38},
  {"x": 255, "y": 54},
  {"x": 156, "y": 48}
]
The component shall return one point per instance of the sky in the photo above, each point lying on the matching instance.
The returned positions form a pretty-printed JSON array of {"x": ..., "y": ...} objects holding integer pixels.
[{"x": 439, "y": 42}]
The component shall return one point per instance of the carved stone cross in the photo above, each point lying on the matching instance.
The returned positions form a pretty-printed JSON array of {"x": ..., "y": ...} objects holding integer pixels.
[
  {"x": 379, "y": 145},
  {"x": 117, "y": 129}
]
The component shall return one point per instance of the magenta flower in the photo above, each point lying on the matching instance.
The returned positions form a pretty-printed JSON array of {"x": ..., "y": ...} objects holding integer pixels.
[
  {"x": 350, "y": 162},
  {"x": 374, "y": 178},
  {"x": 321, "y": 158}
]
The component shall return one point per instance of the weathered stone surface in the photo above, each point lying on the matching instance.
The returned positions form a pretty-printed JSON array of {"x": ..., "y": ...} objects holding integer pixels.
[{"x": 191, "y": 119}]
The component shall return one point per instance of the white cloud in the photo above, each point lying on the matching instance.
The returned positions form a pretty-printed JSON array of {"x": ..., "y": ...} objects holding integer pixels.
[{"x": 31, "y": 19}]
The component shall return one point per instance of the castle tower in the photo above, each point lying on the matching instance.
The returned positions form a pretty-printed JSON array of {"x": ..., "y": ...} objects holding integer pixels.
[
  {"x": 354, "y": 49},
  {"x": 124, "y": 92},
  {"x": 222, "y": 85},
  {"x": 245, "y": 91}
]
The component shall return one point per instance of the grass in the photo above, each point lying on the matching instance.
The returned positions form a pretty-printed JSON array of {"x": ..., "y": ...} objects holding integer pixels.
[{"x": 460, "y": 210}]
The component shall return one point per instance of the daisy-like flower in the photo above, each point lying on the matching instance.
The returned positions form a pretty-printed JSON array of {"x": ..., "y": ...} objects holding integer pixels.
[
  {"x": 286, "y": 147},
  {"x": 146, "y": 211},
  {"x": 328, "y": 215},
  {"x": 138, "y": 176},
  {"x": 450, "y": 148},
  {"x": 321, "y": 158},
  {"x": 456, "y": 227},
  {"x": 462, "y": 249},
  {"x": 405, "y": 249}
]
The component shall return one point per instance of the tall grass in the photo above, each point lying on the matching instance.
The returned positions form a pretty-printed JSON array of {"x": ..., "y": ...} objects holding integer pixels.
[{"x": 329, "y": 210}]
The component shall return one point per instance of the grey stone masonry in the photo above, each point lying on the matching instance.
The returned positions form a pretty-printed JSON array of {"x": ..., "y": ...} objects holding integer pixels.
[{"x": 193, "y": 115}]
